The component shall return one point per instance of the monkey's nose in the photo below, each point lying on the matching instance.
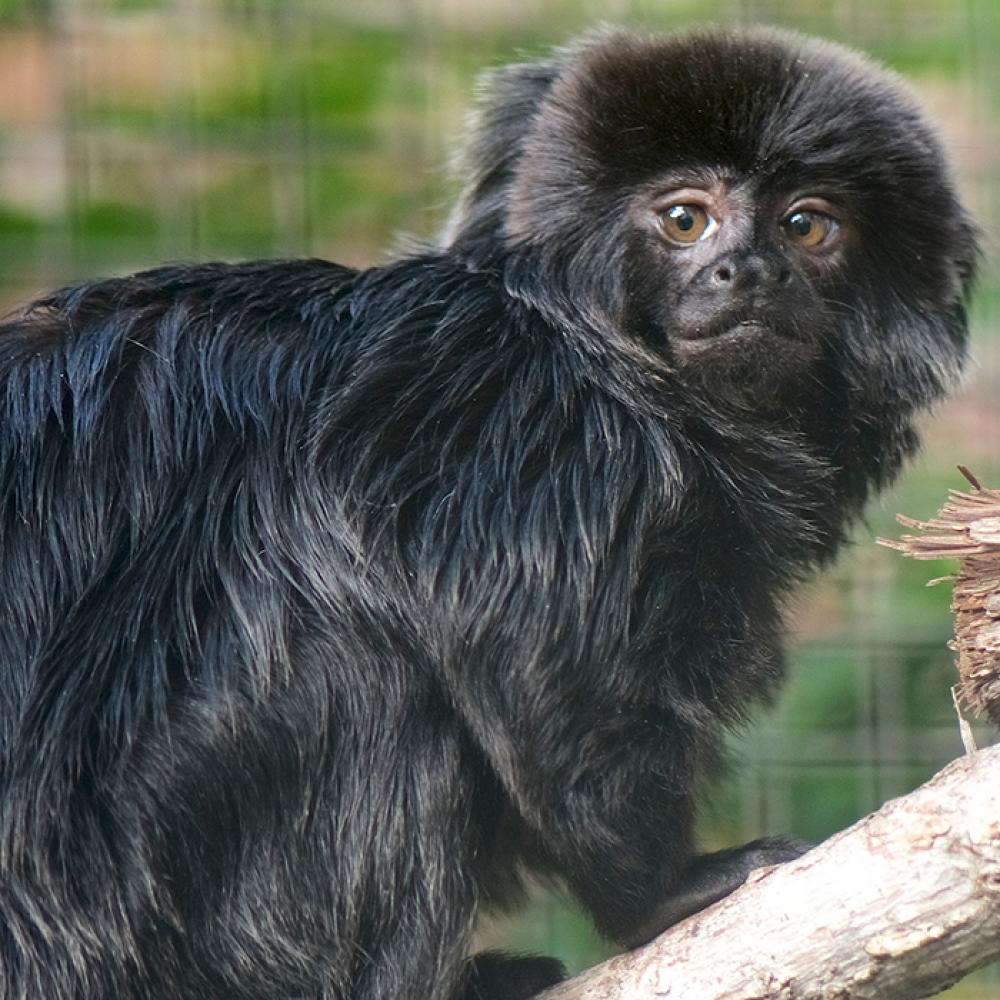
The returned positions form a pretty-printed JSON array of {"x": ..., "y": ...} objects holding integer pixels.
[{"x": 748, "y": 272}]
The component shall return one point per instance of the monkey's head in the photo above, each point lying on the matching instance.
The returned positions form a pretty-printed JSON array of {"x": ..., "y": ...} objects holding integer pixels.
[{"x": 746, "y": 207}]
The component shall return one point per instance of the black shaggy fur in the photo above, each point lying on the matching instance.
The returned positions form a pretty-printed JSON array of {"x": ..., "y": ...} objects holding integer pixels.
[{"x": 331, "y": 600}]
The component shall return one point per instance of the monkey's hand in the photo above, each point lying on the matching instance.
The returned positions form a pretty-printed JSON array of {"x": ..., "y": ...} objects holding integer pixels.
[
  {"x": 492, "y": 975},
  {"x": 710, "y": 877}
]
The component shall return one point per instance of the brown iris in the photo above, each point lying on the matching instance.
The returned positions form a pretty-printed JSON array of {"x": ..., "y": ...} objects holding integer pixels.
[
  {"x": 809, "y": 229},
  {"x": 684, "y": 223}
]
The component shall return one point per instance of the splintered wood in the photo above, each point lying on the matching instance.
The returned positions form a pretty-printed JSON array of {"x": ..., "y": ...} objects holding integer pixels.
[{"x": 967, "y": 528}]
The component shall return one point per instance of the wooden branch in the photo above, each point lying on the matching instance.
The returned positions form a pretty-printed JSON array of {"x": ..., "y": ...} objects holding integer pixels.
[{"x": 899, "y": 906}]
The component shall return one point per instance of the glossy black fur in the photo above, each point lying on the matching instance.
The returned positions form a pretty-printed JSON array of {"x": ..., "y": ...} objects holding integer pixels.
[{"x": 331, "y": 601}]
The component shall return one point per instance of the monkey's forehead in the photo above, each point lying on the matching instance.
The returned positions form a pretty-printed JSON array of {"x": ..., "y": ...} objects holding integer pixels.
[{"x": 755, "y": 101}]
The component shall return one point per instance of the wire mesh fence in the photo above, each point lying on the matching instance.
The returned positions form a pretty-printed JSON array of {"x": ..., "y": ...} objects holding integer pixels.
[{"x": 134, "y": 132}]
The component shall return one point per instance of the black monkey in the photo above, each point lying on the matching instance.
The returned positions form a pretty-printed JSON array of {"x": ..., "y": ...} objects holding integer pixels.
[{"x": 330, "y": 600}]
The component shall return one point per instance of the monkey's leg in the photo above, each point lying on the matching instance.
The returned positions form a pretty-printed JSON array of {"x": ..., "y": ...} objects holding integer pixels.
[{"x": 410, "y": 823}]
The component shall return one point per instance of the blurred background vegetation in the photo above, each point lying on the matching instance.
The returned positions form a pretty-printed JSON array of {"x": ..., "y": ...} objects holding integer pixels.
[{"x": 138, "y": 131}]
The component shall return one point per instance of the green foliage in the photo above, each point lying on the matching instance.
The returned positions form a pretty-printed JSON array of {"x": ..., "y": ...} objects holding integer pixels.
[
  {"x": 16, "y": 223},
  {"x": 16, "y": 11},
  {"x": 111, "y": 220}
]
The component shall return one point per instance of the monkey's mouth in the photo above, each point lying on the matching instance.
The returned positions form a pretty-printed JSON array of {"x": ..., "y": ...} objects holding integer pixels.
[
  {"x": 725, "y": 335},
  {"x": 754, "y": 359}
]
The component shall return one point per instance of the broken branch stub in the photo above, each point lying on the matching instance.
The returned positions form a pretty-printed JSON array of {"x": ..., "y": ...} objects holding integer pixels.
[{"x": 967, "y": 528}]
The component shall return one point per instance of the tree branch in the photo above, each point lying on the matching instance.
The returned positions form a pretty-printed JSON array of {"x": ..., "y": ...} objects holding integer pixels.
[{"x": 899, "y": 906}]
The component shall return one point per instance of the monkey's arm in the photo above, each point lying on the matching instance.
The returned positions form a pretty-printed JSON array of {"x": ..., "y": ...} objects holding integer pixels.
[
  {"x": 608, "y": 788},
  {"x": 590, "y": 677}
]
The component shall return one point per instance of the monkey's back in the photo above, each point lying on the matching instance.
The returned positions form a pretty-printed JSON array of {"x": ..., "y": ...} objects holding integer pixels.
[{"x": 181, "y": 581}]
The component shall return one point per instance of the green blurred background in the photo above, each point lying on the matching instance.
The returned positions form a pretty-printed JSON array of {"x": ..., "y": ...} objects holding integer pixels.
[{"x": 138, "y": 131}]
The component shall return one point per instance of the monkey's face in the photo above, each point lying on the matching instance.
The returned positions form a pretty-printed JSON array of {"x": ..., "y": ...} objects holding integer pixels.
[{"x": 737, "y": 276}]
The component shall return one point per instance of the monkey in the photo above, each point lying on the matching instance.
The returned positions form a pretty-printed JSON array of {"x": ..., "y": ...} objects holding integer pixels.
[{"x": 337, "y": 602}]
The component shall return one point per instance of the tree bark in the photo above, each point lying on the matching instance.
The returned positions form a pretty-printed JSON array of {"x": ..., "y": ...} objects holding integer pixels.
[{"x": 901, "y": 905}]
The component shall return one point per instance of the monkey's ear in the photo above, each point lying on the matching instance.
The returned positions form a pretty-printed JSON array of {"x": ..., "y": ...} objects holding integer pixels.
[
  {"x": 508, "y": 102},
  {"x": 508, "y": 98}
]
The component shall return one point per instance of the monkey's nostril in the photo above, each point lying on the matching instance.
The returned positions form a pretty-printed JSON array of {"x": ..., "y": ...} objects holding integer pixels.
[{"x": 723, "y": 274}]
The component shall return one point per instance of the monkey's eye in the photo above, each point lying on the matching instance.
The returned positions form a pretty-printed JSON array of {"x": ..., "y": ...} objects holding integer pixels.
[
  {"x": 687, "y": 223},
  {"x": 809, "y": 229}
]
